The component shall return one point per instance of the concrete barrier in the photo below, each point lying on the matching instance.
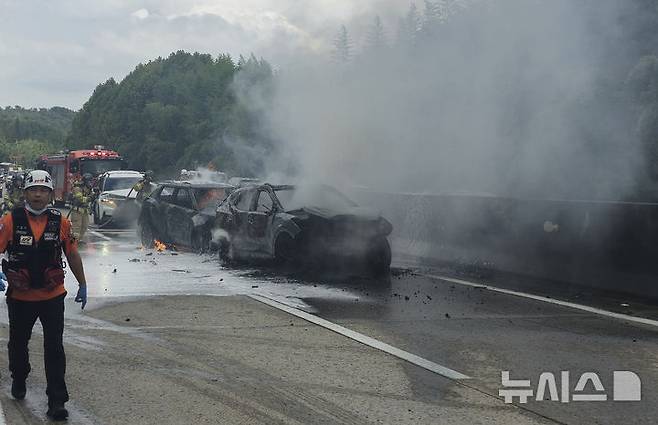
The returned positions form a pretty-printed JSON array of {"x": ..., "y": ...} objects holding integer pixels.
[{"x": 603, "y": 245}]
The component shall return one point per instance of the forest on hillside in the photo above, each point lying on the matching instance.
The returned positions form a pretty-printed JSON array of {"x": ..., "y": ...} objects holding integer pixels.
[{"x": 26, "y": 133}]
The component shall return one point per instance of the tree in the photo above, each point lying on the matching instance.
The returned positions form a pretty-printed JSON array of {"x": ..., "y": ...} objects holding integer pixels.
[
  {"x": 173, "y": 112},
  {"x": 408, "y": 27},
  {"x": 342, "y": 52},
  {"x": 375, "y": 37}
]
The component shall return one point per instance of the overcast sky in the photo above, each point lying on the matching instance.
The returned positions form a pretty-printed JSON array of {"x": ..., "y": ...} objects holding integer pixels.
[{"x": 54, "y": 53}]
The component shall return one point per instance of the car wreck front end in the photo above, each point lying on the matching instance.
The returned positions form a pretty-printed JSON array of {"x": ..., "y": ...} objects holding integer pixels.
[{"x": 332, "y": 229}]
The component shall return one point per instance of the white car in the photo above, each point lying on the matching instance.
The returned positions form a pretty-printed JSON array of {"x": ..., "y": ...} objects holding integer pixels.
[{"x": 116, "y": 197}]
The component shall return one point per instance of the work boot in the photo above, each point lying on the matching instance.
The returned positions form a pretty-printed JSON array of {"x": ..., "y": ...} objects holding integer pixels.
[
  {"x": 18, "y": 389},
  {"x": 57, "y": 411}
]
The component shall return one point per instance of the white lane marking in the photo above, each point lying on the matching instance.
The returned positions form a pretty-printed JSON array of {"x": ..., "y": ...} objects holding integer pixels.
[
  {"x": 3, "y": 420},
  {"x": 581, "y": 307},
  {"x": 364, "y": 339},
  {"x": 100, "y": 235}
]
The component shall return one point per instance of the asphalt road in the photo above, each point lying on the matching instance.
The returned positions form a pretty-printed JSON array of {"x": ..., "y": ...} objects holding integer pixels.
[{"x": 175, "y": 337}]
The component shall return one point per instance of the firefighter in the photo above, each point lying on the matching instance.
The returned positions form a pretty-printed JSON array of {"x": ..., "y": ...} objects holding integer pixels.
[
  {"x": 15, "y": 193},
  {"x": 34, "y": 237},
  {"x": 81, "y": 198},
  {"x": 144, "y": 187}
]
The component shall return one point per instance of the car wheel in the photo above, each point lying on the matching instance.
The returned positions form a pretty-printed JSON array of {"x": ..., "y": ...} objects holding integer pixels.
[
  {"x": 200, "y": 241},
  {"x": 378, "y": 257},
  {"x": 104, "y": 220},
  {"x": 145, "y": 234},
  {"x": 285, "y": 250}
]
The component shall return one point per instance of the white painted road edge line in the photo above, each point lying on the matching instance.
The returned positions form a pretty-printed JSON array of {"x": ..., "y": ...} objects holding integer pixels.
[
  {"x": 364, "y": 339},
  {"x": 581, "y": 307},
  {"x": 3, "y": 420}
]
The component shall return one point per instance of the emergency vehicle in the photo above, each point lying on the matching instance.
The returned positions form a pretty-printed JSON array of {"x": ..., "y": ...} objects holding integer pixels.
[{"x": 69, "y": 167}]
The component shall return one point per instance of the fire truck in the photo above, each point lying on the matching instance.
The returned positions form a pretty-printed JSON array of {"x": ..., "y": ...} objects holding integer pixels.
[{"x": 68, "y": 167}]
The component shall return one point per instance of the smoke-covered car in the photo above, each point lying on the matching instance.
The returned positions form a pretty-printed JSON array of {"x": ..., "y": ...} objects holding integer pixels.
[
  {"x": 309, "y": 223},
  {"x": 116, "y": 199},
  {"x": 181, "y": 213}
]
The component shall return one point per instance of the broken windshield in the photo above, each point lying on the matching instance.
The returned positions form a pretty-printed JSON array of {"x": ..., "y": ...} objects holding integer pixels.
[{"x": 294, "y": 198}]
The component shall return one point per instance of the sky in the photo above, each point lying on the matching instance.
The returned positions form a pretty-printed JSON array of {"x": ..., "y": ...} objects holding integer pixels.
[{"x": 54, "y": 53}]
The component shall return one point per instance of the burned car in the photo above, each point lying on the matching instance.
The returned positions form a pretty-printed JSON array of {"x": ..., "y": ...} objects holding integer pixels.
[
  {"x": 181, "y": 213},
  {"x": 309, "y": 223}
]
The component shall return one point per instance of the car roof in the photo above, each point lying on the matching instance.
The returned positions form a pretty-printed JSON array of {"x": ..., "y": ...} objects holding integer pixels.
[
  {"x": 123, "y": 173},
  {"x": 197, "y": 185}
]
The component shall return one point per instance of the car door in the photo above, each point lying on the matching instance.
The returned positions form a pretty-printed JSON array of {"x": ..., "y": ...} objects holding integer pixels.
[
  {"x": 240, "y": 212},
  {"x": 159, "y": 213},
  {"x": 179, "y": 217},
  {"x": 259, "y": 221}
]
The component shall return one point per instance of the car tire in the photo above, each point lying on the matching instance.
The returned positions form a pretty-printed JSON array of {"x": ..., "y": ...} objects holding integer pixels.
[
  {"x": 104, "y": 220},
  {"x": 146, "y": 234},
  {"x": 378, "y": 257},
  {"x": 285, "y": 250},
  {"x": 200, "y": 241}
]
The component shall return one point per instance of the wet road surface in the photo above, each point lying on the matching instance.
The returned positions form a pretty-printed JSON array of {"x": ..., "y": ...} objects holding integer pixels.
[{"x": 476, "y": 332}]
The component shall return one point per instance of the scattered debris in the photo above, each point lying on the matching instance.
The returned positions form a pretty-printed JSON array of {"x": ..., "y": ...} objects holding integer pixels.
[
  {"x": 428, "y": 297},
  {"x": 134, "y": 260},
  {"x": 406, "y": 298},
  {"x": 625, "y": 305},
  {"x": 254, "y": 286},
  {"x": 221, "y": 279},
  {"x": 174, "y": 253},
  {"x": 114, "y": 271},
  {"x": 127, "y": 319},
  {"x": 150, "y": 253},
  {"x": 447, "y": 316}
]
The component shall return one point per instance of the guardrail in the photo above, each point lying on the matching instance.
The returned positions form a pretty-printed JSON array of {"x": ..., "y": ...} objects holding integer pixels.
[{"x": 604, "y": 245}]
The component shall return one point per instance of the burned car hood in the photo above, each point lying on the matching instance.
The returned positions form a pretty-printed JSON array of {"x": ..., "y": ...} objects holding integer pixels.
[{"x": 331, "y": 214}]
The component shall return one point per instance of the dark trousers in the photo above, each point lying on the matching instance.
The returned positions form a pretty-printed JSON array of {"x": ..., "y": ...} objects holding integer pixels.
[{"x": 22, "y": 316}]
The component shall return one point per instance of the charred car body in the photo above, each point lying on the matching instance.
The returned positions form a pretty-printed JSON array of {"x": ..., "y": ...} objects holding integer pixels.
[
  {"x": 181, "y": 213},
  {"x": 313, "y": 223}
]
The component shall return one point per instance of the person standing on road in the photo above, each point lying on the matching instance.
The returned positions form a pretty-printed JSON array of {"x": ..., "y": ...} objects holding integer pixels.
[
  {"x": 34, "y": 237},
  {"x": 144, "y": 187},
  {"x": 82, "y": 196},
  {"x": 14, "y": 193}
]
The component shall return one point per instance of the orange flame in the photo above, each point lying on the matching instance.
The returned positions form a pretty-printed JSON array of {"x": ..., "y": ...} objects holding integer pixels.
[{"x": 159, "y": 246}]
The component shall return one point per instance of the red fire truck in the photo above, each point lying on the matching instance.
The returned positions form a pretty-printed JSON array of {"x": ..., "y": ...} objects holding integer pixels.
[{"x": 66, "y": 168}]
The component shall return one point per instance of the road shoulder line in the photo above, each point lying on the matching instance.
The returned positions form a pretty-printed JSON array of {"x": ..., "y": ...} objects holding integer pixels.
[
  {"x": 364, "y": 339},
  {"x": 594, "y": 310}
]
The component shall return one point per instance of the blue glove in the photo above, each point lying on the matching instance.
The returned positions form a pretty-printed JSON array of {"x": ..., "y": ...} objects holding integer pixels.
[
  {"x": 81, "y": 296},
  {"x": 3, "y": 282}
]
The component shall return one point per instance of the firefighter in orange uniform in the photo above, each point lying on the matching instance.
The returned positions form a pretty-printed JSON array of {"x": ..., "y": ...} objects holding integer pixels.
[{"x": 34, "y": 237}]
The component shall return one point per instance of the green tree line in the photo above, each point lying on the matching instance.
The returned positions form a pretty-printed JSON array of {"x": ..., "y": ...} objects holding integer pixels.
[
  {"x": 182, "y": 111},
  {"x": 27, "y": 133}
]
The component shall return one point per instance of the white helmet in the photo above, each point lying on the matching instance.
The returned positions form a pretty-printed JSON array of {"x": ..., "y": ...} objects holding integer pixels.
[{"x": 38, "y": 178}]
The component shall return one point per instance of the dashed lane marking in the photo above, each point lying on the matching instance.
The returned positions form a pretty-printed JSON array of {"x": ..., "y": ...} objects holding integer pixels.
[
  {"x": 594, "y": 310},
  {"x": 364, "y": 339}
]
